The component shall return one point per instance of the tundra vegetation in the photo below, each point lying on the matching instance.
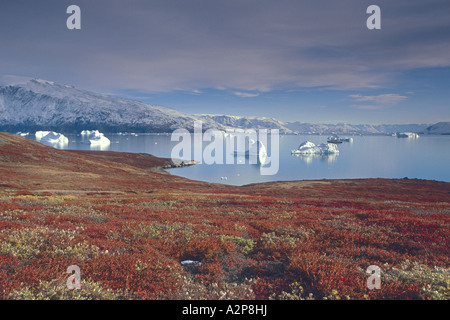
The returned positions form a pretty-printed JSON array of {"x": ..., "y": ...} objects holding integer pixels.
[{"x": 128, "y": 226}]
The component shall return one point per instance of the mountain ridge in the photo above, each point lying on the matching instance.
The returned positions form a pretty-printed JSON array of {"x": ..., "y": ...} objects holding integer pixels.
[
  {"x": 45, "y": 105},
  {"x": 38, "y": 104}
]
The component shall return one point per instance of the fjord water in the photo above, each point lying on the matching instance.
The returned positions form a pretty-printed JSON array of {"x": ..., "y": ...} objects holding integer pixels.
[{"x": 427, "y": 157}]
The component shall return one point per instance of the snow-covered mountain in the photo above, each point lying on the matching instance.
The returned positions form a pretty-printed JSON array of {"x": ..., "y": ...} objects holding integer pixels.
[
  {"x": 345, "y": 128},
  {"x": 248, "y": 122},
  {"x": 34, "y": 105},
  {"x": 44, "y": 105},
  {"x": 438, "y": 128}
]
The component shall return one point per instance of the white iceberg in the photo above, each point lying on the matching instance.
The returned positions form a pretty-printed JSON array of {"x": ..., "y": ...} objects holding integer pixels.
[
  {"x": 52, "y": 138},
  {"x": 411, "y": 135},
  {"x": 95, "y": 137},
  {"x": 40, "y": 134},
  {"x": 309, "y": 147}
]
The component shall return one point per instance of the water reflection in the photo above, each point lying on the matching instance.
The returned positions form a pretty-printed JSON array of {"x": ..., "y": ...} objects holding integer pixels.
[
  {"x": 97, "y": 140},
  {"x": 256, "y": 152},
  {"x": 99, "y": 147},
  {"x": 309, "y": 158}
]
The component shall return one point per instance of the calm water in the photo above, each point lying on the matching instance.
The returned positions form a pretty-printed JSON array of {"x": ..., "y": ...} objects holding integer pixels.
[{"x": 367, "y": 157}]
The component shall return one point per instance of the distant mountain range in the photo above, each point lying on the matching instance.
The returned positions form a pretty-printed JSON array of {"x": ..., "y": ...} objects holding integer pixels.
[{"x": 45, "y": 105}]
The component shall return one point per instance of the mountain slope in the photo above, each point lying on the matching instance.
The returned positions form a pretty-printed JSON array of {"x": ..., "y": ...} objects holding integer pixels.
[
  {"x": 45, "y": 105},
  {"x": 438, "y": 128}
]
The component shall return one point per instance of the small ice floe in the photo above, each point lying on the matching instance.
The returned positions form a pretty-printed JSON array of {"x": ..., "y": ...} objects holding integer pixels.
[
  {"x": 51, "y": 138},
  {"x": 337, "y": 139},
  {"x": 334, "y": 139},
  {"x": 223, "y": 178},
  {"x": 23, "y": 134},
  {"x": 411, "y": 135},
  {"x": 309, "y": 147},
  {"x": 190, "y": 263}
]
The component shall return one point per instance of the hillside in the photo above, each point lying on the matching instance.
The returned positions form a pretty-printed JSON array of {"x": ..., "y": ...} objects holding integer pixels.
[
  {"x": 128, "y": 227},
  {"x": 45, "y": 105},
  {"x": 439, "y": 128}
]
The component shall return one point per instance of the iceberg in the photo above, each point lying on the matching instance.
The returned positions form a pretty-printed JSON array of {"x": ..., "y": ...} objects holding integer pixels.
[
  {"x": 95, "y": 137},
  {"x": 52, "y": 138},
  {"x": 309, "y": 147},
  {"x": 334, "y": 139},
  {"x": 40, "y": 134},
  {"x": 411, "y": 135},
  {"x": 337, "y": 139}
]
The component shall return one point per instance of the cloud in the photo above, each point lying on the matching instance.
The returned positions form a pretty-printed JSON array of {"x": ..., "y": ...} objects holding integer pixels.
[
  {"x": 242, "y": 46},
  {"x": 381, "y": 101},
  {"x": 389, "y": 98},
  {"x": 245, "y": 94},
  {"x": 369, "y": 107}
]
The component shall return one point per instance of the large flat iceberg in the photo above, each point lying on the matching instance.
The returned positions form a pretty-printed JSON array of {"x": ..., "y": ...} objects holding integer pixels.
[{"x": 309, "y": 147}]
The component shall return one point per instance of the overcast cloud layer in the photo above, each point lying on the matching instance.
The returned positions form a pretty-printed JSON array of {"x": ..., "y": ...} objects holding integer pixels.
[{"x": 247, "y": 47}]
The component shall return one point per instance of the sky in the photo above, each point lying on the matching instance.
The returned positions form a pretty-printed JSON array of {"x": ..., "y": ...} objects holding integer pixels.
[{"x": 298, "y": 60}]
